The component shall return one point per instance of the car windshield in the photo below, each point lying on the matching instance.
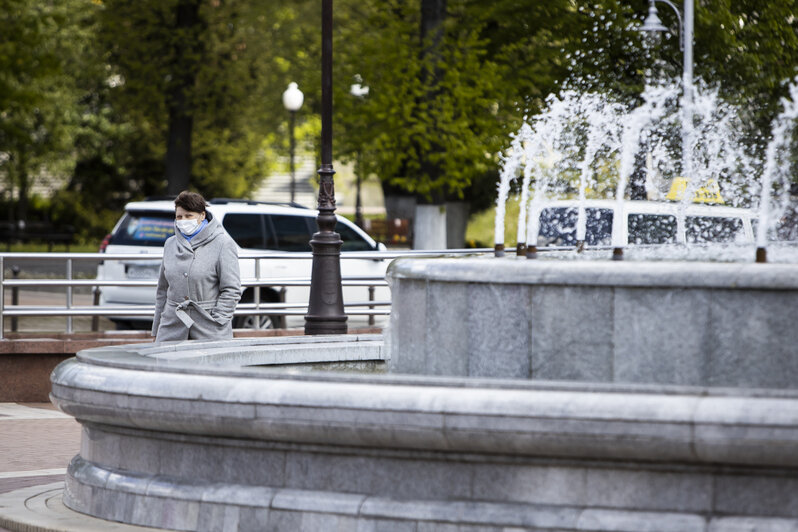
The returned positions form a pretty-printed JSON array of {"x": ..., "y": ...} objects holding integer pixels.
[{"x": 140, "y": 228}]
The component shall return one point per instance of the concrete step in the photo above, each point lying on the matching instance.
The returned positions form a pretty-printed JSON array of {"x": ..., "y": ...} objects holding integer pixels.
[{"x": 277, "y": 187}]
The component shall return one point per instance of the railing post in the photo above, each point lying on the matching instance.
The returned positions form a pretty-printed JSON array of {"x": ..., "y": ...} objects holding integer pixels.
[
  {"x": 371, "y": 307},
  {"x": 69, "y": 295},
  {"x": 283, "y": 321},
  {"x": 95, "y": 320},
  {"x": 14, "y": 297},
  {"x": 2, "y": 295},
  {"x": 256, "y": 294}
]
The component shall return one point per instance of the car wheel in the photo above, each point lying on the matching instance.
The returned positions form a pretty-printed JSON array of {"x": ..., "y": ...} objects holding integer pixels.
[{"x": 248, "y": 322}]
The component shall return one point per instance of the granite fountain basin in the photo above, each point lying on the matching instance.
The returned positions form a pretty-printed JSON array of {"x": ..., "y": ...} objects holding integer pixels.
[
  {"x": 728, "y": 324},
  {"x": 197, "y": 436}
]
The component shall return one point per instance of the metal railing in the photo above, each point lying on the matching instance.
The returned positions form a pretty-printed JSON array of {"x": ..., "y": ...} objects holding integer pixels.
[{"x": 369, "y": 307}]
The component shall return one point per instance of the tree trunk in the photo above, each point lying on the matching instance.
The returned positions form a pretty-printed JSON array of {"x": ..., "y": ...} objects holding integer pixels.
[
  {"x": 456, "y": 224},
  {"x": 429, "y": 225},
  {"x": 181, "y": 118},
  {"x": 178, "y": 151},
  {"x": 433, "y": 14},
  {"x": 22, "y": 177}
]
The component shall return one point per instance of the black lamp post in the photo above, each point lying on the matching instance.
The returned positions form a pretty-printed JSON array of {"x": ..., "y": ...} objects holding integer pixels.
[
  {"x": 326, "y": 306},
  {"x": 292, "y": 100}
]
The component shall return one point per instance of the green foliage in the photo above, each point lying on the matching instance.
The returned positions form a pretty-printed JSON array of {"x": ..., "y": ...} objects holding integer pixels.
[
  {"x": 429, "y": 122},
  {"x": 751, "y": 49},
  {"x": 69, "y": 207},
  {"x": 39, "y": 45}
]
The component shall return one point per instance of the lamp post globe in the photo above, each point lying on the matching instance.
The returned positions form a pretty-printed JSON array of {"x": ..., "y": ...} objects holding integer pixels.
[
  {"x": 292, "y": 101},
  {"x": 357, "y": 90},
  {"x": 652, "y": 22},
  {"x": 293, "y": 98}
]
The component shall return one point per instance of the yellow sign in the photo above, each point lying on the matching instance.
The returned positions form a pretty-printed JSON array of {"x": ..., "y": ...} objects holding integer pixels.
[{"x": 709, "y": 193}]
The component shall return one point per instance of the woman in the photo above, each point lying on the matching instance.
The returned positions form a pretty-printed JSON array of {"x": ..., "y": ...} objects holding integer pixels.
[{"x": 200, "y": 283}]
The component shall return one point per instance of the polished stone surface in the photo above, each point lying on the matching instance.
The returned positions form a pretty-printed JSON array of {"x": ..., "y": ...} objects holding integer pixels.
[{"x": 688, "y": 323}]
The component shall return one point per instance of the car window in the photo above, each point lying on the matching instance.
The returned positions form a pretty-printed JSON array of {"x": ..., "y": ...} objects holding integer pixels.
[
  {"x": 144, "y": 229},
  {"x": 292, "y": 233},
  {"x": 246, "y": 230},
  {"x": 712, "y": 229},
  {"x": 598, "y": 227},
  {"x": 558, "y": 226},
  {"x": 651, "y": 228},
  {"x": 352, "y": 240}
]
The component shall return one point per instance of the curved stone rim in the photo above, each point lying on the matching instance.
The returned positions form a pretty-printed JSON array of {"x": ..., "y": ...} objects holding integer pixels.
[
  {"x": 139, "y": 357},
  {"x": 237, "y": 356},
  {"x": 147, "y": 498},
  {"x": 594, "y": 422}
]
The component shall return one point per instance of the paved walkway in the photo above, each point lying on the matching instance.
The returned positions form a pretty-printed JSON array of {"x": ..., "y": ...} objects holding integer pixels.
[{"x": 36, "y": 444}]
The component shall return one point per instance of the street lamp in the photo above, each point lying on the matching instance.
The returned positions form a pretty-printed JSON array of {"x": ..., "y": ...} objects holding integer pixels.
[
  {"x": 654, "y": 24},
  {"x": 292, "y": 100},
  {"x": 326, "y": 306},
  {"x": 358, "y": 91}
]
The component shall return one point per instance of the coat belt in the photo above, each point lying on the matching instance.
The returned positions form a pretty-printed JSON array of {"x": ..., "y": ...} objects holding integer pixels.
[{"x": 182, "y": 306}]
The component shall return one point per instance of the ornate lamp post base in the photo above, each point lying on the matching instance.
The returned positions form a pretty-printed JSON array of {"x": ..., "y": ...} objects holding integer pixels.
[{"x": 326, "y": 306}]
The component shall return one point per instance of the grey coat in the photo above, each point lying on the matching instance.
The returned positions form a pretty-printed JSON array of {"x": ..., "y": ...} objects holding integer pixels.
[{"x": 198, "y": 287}]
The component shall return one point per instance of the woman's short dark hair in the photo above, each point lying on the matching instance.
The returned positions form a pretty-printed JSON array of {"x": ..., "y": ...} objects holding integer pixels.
[{"x": 191, "y": 201}]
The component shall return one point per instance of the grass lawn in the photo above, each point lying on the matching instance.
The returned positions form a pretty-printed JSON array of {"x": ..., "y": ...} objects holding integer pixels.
[
  {"x": 42, "y": 248},
  {"x": 479, "y": 232}
]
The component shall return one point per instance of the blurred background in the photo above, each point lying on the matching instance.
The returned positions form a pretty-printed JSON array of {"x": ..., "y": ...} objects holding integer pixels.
[{"x": 107, "y": 101}]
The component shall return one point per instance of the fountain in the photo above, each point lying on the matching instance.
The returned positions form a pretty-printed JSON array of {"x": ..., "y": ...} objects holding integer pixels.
[
  {"x": 582, "y": 319},
  {"x": 601, "y": 141},
  {"x": 666, "y": 321}
]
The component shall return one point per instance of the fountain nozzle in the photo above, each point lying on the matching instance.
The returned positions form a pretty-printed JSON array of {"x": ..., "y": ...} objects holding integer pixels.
[
  {"x": 580, "y": 246},
  {"x": 498, "y": 250},
  {"x": 617, "y": 254},
  {"x": 520, "y": 249},
  {"x": 532, "y": 252},
  {"x": 761, "y": 255}
]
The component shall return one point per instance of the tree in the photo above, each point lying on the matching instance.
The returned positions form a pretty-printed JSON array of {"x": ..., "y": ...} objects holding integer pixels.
[
  {"x": 39, "y": 41},
  {"x": 202, "y": 81},
  {"x": 429, "y": 136}
]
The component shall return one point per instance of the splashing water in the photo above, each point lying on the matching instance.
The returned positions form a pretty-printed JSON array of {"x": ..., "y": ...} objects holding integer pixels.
[
  {"x": 510, "y": 163},
  {"x": 652, "y": 110},
  {"x": 774, "y": 162},
  {"x": 602, "y": 133},
  {"x": 584, "y": 145}
]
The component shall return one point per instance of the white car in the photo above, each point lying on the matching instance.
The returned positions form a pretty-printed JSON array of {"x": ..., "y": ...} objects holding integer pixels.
[
  {"x": 644, "y": 222},
  {"x": 257, "y": 227}
]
